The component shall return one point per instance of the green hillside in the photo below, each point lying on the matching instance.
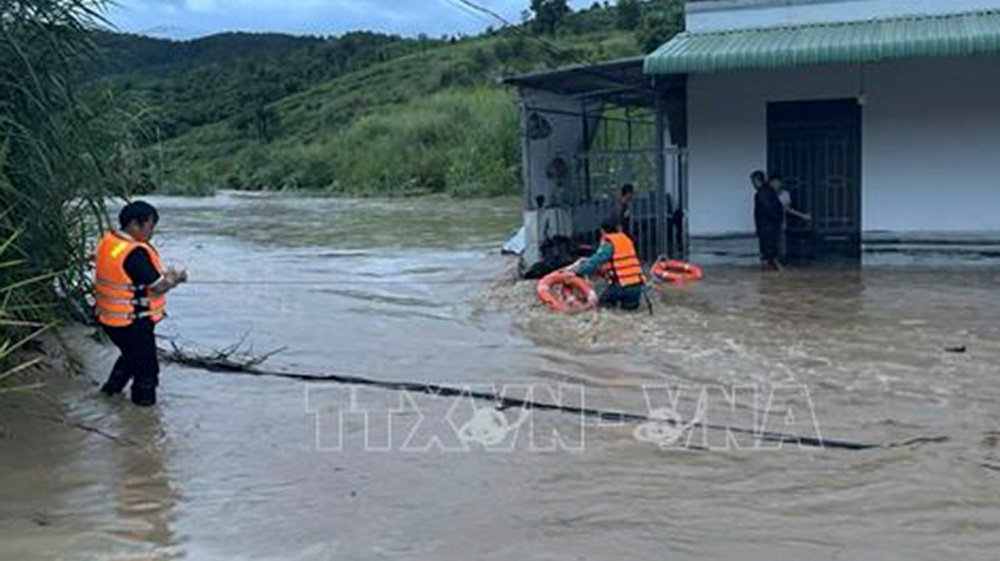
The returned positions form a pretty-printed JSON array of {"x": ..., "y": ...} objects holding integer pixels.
[
  {"x": 360, "y": 114},
  {"x": 182, "y": 85}
]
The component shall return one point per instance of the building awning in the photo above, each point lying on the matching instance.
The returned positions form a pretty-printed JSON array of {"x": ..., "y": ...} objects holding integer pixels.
[
  {"x": 620, "y": 80},
  {"x": 841, "y": 43}
]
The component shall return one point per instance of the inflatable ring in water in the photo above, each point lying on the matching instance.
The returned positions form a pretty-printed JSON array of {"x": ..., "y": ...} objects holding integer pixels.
[
  {"x": 563, "y": 291},
  {"x": 677, "y": 272}
]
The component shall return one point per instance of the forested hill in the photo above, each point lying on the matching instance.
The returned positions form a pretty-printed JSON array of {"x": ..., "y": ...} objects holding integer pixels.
[
  {"x": 135, "y": 53},
  {"x": 192, "y": 83},
  {"x": 361, "y": 113}
]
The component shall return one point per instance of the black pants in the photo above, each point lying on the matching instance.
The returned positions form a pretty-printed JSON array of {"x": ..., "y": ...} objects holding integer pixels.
[
  {"x": 138, "y": 362},
  {"x": 627, "y": 298},
  {"x": 770, "y": 242}
]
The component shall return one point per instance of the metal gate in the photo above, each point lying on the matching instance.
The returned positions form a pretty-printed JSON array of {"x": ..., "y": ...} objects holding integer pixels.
[
  {"x": 816, "y": 147},
  {"x": 657, "y": 228}
]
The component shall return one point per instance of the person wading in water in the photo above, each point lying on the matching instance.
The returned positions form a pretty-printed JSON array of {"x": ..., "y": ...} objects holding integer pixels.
[
  {"x": 130, "y": 289},
  {"x": 617, "y": 260}
]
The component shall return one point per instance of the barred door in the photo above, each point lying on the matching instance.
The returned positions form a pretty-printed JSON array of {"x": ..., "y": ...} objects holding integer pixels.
[
  {"x": 816, "y": 147},
  {"x": 656, "y": 227}
]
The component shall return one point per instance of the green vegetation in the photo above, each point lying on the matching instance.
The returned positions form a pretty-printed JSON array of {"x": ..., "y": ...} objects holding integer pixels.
[
  {"x": 629, "y": 14},
  {"x": 359, "y": 114},
  {"x": 548, "y": 14},
  {"x": 326, "y": 136},
  {"x": 362, "y": 114},
  {"x": 463, "y": 143},
  {"x": 659, "y": 25},
  {"x": 231, "y": 75},
  {"x": 59, "y": 157},
  {"x": 17, "y": 332}
]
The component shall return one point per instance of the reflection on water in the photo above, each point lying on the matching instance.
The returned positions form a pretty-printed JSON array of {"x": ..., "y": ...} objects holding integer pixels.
[
  {"x": 144, "y": 495},
  {"x": 73, "y": 494},
  {"x": 414, "y": 291}
]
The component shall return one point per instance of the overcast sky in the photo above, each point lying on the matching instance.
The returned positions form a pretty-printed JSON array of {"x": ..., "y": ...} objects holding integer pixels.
[{"x": 193, "y": 18}]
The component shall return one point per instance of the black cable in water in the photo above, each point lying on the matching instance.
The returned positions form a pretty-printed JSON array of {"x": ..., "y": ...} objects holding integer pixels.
[
  {"x": 225, "y": 366},
  {"x": 339, "y": 282}
]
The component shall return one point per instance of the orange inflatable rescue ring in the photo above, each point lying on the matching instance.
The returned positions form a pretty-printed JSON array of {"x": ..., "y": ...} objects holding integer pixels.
[
  {"x": 564, "y": 291},
  {"x": 677, "y": 272}
]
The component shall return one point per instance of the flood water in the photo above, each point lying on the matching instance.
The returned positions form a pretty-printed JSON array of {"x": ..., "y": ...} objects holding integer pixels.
[{"x": 235, "y": 467}]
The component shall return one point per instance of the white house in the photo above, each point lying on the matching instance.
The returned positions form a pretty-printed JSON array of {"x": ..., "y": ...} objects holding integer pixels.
[{"x": 882, "y": 115}]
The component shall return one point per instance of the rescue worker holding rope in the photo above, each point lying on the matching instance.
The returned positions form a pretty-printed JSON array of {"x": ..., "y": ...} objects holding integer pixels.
[
  {"x": 617, "y": 260},
  {"x": 130, "y": 292}
]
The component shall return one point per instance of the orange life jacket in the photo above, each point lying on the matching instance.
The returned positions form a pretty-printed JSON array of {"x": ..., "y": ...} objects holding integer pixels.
[
  {"x": 113, "y": 289},
  {"x": 625, "y": 268}
]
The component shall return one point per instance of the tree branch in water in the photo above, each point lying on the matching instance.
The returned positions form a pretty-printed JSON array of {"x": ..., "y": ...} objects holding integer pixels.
[{"x": 234, "y": 358}]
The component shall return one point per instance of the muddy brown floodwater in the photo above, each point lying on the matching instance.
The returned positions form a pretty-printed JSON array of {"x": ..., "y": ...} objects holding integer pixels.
[{"x": 230, "y": 467}]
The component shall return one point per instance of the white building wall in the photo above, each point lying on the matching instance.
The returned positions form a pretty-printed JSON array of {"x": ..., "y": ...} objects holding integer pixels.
[
  {"x": 565, "y": 140},
  {"x": 742, "y": 14},
  {"x": 930, "y": 142}
]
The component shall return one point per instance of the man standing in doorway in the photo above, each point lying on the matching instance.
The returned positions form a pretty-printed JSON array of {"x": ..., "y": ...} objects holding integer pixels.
[
  {"x": 621, "y": 211},
  {"x": 768, "y": 215},
  {"x": 130, "y": 292}
]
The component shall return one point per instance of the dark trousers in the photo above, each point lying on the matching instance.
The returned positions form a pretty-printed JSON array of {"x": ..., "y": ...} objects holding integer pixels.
[
  {"x": 770, "y": 243},
  {"x": 138, "y": 362},
  {"x": 626, "y": 298}
]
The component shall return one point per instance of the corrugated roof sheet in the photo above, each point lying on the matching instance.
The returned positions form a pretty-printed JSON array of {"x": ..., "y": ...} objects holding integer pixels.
[{"x": 854, "y": 42}]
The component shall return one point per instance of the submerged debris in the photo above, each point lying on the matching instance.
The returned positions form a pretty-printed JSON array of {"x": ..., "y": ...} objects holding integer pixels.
[{"x": 234, "y": 358}]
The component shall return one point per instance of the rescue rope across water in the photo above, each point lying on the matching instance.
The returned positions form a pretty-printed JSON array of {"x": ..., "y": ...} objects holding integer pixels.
[
  {"x": 221, "y": 363},
  {"x": 338, "y": 281}
]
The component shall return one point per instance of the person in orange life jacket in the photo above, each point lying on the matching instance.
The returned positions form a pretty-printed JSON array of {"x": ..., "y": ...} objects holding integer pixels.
[
  {"x": 130, "y": 291},
  {"x": 617, "y": 259}
]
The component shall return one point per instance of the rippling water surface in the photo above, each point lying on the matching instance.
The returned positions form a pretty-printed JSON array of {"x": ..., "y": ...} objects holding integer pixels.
[{"x": 233, "y": 467}]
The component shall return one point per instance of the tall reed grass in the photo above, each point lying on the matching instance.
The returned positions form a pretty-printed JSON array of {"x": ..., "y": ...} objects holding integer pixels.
[{"x": 60, "y": 157}]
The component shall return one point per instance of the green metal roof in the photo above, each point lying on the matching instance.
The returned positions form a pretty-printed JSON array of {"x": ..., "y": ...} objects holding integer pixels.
[{"x": 854, "y": 42}]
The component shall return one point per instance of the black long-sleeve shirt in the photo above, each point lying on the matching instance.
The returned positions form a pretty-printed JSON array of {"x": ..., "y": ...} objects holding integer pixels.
[
  {"x": 139, "y": 268},
  {"x": 768, "y": 212},
  {"x": 621, "y": 213}
]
